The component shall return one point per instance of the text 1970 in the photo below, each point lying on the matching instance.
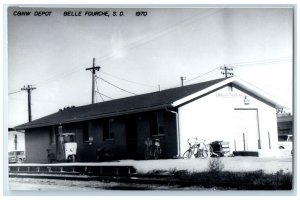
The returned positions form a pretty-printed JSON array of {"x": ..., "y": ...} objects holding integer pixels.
[{"x": 141, "y": 13}]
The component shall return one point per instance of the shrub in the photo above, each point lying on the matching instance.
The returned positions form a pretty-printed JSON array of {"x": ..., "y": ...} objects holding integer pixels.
[
  {"x": 157, "y": 172},
  {"x": 172, "y": 170},
  {"x": 182, "y": 173},
  {"x": 215, "y": 165}
]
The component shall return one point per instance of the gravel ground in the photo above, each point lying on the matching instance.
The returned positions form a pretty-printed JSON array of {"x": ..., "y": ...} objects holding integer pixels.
[
  {"x": 235, "y": 164},
  {"x": 85, "y": 186}
]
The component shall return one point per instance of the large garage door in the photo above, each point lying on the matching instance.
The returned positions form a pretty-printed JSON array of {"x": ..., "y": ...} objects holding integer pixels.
[{"x": 247, "y": 136}]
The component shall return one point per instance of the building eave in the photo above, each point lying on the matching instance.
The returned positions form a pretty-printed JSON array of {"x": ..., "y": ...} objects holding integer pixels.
[
  {"x": 115, "y": 114},
  {"x": 260, "y": 93},
  {"x": 238, "y": 82}
]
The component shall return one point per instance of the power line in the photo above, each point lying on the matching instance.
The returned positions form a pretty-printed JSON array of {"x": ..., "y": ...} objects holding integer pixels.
[
  {"x": 167, "y": 30},
  {"x": 137, "y": 43},
  {"x": 104, "y": 95},
  {"x": 59, "y": 76},
  {"x": 210, "y": 76},
  {"x": 242, "y": 64},
  {"x": 101, "y": 96},
  {"x": 144, "y": 40},
  {"x": 115, "y": 85},
  {"x": 201, "y": 75},
  {"x": 97, "y": 90},
  {"x": 257, "y": 62},
  {"x": 258, "y": 88},
  {"x": 265, "y": 60},
  {"x": 234, "y": 65},
  {"x": 14, "y": 92},
  {"x": 138, "y": 83}
]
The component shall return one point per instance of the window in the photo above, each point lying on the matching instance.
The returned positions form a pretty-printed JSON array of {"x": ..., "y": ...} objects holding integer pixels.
[
  {"x": 161, "y": 123},
  {"x": 108, "y": 133},
  {"x": 161, "y": 130},
  {"x": 52, "y": 136},
  {"x": 156, "y": 121},
  {"x": 282, "y": 138}
]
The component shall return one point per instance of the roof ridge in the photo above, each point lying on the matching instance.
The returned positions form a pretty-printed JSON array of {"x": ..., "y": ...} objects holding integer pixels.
[
  {"x": 166, "y": 90},
  {"x": 137, "y": 103}
]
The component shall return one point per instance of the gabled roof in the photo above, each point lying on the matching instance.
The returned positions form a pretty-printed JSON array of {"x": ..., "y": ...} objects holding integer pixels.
[
  {"x": 133, "y": 104},
  {"x": 235, "y": 82},
  {"x": 146, "y": 102}
]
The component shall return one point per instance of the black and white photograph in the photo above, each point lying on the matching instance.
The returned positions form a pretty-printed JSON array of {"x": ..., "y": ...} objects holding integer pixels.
[{"x": 150, "y": 98}]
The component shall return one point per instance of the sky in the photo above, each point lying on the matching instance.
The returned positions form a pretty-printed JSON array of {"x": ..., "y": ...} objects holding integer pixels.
[{"x": 139, "y": 53}]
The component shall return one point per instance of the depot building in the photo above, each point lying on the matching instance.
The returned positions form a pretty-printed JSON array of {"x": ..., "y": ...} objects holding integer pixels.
[{"x": 227, "y": 109}]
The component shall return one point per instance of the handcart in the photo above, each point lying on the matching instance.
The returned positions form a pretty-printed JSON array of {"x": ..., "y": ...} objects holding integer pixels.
[{"x": 221, "y": 148}]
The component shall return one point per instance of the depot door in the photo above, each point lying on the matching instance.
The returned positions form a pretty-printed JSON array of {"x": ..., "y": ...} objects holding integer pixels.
[
  {"x": 131, "y": 137},
  {"x": 247, "y": 136}
]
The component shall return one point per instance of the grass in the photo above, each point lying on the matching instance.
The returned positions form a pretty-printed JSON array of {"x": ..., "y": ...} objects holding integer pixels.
[
  {"x": 255, "y": 180},
  {"x": 240, "y": 180}
]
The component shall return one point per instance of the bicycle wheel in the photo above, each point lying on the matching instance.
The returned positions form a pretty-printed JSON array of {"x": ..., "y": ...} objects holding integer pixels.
[
  {"x": 187, "y": 154},
  {"x": 204, "y": 153},
  {"x": 211, "y": 152},
  {"x": 73, "y": 158},
  {"x": 157, "y": 153}
]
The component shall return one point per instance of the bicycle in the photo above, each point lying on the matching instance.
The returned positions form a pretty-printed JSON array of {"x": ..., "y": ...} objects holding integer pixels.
[
  {"x": 199, "y": 150},
  {"x": 188, "y": 154},
  {"x": 153, "y": 149},
  {"x": 204, "y": 150}
]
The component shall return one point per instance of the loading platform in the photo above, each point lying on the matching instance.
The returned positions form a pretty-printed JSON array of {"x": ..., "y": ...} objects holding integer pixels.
[{"x": 73, "y": 168}]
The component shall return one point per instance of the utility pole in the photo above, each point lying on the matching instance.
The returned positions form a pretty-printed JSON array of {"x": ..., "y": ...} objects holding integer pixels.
[
  {"x": 28, "y": 89},
  {"x": 16, "y": 141},
  {"x": 93, "y": 70},
  {"x": 182, "y": 78},
  {"x": 226, "y": 71}
]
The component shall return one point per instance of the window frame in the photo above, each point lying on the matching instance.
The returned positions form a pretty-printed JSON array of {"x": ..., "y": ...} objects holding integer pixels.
[
  {"x": 108, "y": 134},
  {"x": 157, "y": 124}
]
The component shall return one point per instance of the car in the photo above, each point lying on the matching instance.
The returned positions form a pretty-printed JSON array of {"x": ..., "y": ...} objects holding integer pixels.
[
  {"x": 16, "y": 156},
  {"x": 285, "y": 141}
]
